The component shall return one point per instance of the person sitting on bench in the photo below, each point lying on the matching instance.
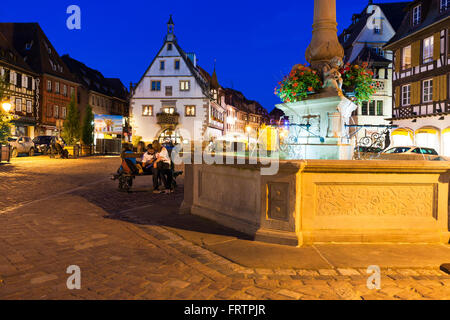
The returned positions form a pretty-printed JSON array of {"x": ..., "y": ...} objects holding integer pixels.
[
  {"x": 148, "y": 160},
  {"x": 161, "y": 168}
]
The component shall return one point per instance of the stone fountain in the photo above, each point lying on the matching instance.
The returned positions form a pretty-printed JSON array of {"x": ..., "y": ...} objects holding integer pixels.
[{"x": 317, "y": 124}]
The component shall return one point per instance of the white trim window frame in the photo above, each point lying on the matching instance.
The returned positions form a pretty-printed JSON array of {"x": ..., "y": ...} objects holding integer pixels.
[
  {"x": 406, "y": 58},
  {"x": 406, "y": 95},
  {"x": 417, "y": 15},
  {"x": 18, "y": 104},
  {"x": 428, "y": 46},
  {"x": 445, "y": 4},
  {"x": 29, "y": 106},
  {"x": 427, "y": 90}
]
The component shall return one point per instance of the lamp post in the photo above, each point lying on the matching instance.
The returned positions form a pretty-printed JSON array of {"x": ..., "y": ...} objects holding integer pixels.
[{"x": 248, "y": 129}]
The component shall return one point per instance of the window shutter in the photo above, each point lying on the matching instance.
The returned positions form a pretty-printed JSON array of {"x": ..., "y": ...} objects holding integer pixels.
[
  {"x": 415, "y": 54},
  {"x": 436, "y": 88},
  {"x": 415, "y": 93},
  {"x": 34, "y": 83},
  {"x": 437, "y": 46},
  {"x": 397, "y": 97},
  {"x": 398, "y": 59},
  {"x": 443, "y": 88}
]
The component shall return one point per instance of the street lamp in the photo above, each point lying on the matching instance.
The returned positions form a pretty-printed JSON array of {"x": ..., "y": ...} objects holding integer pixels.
[
  {"x": 248, "y": 129},
  {"x": 6, "y": 106}
]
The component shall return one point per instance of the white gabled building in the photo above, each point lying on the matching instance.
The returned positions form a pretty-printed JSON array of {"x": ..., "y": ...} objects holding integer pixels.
[
  {"x": 363, "y": 41},
  {"x": 176, "y": 99}
]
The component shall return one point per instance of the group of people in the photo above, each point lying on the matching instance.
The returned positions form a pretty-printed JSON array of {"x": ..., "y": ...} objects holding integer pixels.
[{"x": 156, "y": 162}]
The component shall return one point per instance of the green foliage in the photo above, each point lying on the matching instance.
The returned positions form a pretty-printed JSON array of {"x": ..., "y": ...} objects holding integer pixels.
[
  {"x": 358, "y": 80},
  {"x": 71, "y": 131},
  {"x": 301, "y": 82},
  {"x": 87, "y": 130},
  {"x": 5, "y": 118}
]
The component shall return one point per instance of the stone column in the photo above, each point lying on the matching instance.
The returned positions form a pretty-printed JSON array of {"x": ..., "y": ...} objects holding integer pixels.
[{"x": 324, "y": 44}]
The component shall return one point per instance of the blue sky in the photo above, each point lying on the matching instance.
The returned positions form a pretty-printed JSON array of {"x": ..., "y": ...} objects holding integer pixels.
[{"x": 254, "y": 42}]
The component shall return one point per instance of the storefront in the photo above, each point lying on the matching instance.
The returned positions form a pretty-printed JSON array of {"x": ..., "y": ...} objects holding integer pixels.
[
  {"x": 23, "y": 127},
  {"x": 108, "y": 133}
]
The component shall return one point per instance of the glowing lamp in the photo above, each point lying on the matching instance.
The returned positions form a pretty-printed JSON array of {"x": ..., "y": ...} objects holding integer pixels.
[{"x": 6, "y": 106}]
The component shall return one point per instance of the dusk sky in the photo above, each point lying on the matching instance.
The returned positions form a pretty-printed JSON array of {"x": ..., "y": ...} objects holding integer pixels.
[{"x": 254, "y": 42}]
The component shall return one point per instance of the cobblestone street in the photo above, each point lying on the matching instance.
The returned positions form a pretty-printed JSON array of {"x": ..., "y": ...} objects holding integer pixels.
[{"x": 55, "y": 213}]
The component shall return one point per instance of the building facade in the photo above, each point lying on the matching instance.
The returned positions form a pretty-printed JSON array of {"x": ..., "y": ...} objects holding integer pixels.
[
  {"x": 55, "y": 84},
  {"x": 174, "y": 99},
  {"x": 20, "y": 89},
  {"x": 421, "y": 106},
  {"x": 363, "y": 41}
]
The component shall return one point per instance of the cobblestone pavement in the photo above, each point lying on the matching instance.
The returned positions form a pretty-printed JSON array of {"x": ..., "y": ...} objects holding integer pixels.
[{"x": 55, "y": 213}]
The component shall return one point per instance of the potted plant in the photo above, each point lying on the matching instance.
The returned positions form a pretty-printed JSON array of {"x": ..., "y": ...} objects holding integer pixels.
[{"x": 299, "y": 84}]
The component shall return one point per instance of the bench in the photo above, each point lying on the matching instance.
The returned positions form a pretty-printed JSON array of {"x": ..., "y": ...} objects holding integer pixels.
[{"x": 129, "y": 173}]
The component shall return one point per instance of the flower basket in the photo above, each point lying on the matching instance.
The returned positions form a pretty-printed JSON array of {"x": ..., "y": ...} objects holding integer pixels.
[
  {"x": 299, "y": 84},
  {"x": 358, "y": 82}
]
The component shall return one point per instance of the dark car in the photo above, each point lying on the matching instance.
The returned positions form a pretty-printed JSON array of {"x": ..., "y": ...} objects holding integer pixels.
[{"x": 44, "y": 143}]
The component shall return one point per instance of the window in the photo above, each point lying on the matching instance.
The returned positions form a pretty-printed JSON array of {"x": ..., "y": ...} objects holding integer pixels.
[
  {"x": 428, "y": 90},
  {"x": 56, "y": 87},
  {"x": 18, "y": 80},
  {"x": 428, "y": 45},
  {"x": 65, "y": 90},
  {"x": 364, "y": 108},
  {"x": 147, "y": 111},
  {"x": 156, "y": 85},
  {"x": 19, "y": 105},
  {"x": 190, "y": 111},
  {"x": 445, "y": 4},
  {"x": 372, "y": 108},
  {"x": 56, "y": 115},
  {"x": 406, "y": 58},
  {"x": 63, "y": 112},
  {"x": 406, "y": 95},
  {"x": 185, "y": 85},
  {"x": 417, "y": 15},
  {"x": 29, "y": 83},
  {"x": 169, "y": 47},
  {"x": 380, "y": 108},
  {"x": 377, "y": 29},
  {"x": 162, "y": 65},
  {"x": 177, "y": 64},
  {"x": 29, "y": 106},
  {"x": 49, "y": 86},
  {"x": 72, "y": 91},
  {"x": 169, "y": 110},
  {"x": 168, "y": 91}
]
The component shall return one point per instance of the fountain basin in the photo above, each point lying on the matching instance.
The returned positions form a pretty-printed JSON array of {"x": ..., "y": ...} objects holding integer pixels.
[{"x": 325, "y": 201}]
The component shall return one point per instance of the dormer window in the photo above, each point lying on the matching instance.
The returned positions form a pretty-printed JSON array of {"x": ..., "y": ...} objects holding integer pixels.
[
  {"x": 169, "y": 47},
  {"x": 445, "y": 4},
  {"x": 417, "y": 15}
]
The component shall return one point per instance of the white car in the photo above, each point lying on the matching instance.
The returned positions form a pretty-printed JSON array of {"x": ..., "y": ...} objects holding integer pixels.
[
  {"x": 411, "y": 153},
  {"x": 21, "y": 145}
]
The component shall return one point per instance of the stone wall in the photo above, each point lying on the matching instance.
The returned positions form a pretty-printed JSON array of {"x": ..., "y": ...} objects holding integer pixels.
[{"x": 326, "y": 201}]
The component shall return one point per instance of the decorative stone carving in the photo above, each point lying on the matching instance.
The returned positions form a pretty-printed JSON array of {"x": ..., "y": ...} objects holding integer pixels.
[
  {"x": 375, "y": 200},
  {"x": 332, "y": 78}
]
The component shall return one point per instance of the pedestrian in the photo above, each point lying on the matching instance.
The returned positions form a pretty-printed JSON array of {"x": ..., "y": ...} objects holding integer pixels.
[{"x": 162, "y": 168}]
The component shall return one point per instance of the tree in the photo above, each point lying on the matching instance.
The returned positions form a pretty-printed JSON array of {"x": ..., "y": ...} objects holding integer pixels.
[
  {"x": 71, "y": 131},
  {"x": 5, "y": 118},
  {"x": 87, "y": 131}
]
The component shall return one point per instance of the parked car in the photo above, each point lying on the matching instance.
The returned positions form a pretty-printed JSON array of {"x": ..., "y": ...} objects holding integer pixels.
[
  {"x": 44, "y": 143},
  {"x": 21, "y": 145},
  {"x": 411, "y": 153},
  {"x": 366, "y": 153}
]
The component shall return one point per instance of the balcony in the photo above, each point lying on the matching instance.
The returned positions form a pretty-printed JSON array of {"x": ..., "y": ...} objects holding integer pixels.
[{"x": 167, "y": 119}]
